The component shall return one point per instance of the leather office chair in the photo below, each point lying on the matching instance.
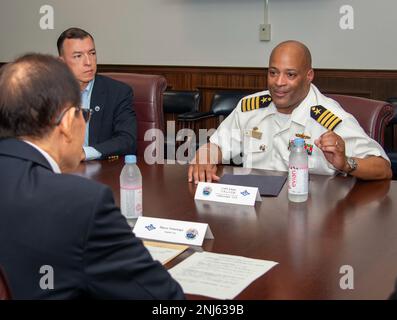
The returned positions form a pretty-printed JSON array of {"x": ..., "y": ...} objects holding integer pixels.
[
  {"x": 372, "y": 115},
  {"x": 222, "y": 104},
  {"x": 181, "y": 101},
  {"x": 5, "y": 293},
  {"x": 148, "y": 102},
  {"x": 177, "y": 102},
  {"x": 393, "y": 123}
]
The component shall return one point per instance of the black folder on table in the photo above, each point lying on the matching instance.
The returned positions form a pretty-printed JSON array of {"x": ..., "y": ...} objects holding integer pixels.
[{"x": 267, "y": 185}]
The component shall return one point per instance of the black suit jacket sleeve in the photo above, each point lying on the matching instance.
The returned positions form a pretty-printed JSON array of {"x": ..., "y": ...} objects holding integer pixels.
[
  {"x": 113, "y": 129},
  {"x": 117, "y": 265}
]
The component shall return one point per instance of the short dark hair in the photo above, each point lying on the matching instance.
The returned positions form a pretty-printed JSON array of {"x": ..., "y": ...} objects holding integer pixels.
[
  {"x": 34, "y": 90},
  {"x": 71, "y": 33}
]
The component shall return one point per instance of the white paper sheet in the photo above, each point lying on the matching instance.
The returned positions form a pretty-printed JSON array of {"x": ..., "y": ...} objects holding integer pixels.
[
  {"x": 164, "y": 252},
  {"x": 218, "y": 276}
]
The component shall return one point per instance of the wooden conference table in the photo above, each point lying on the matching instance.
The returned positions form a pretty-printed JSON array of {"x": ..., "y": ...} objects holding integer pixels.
[{"x": 344, "y": 222}]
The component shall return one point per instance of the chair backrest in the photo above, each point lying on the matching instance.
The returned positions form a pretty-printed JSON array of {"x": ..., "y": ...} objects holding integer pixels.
[
  {"x": 181, "y": 101},
  {"x": 393, "y": 102},
  {"x": 372, "y": 115},
  {"x": 224, "y": 102},
  {"x": 5, "y": 293},
  {"x": 148, "y": 102}
]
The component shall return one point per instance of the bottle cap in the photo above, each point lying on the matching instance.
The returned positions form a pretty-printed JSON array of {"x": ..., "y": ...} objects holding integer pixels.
[
  {"x": 299, "y": 142},
  {"x": 130, "y": 159}
]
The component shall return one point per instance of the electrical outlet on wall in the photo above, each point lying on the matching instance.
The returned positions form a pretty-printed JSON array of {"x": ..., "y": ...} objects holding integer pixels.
[{"x": 264, "y": 32}]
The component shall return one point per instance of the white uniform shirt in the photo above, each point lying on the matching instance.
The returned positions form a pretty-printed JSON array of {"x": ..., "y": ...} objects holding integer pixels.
[{"x": 268, "y": 147}]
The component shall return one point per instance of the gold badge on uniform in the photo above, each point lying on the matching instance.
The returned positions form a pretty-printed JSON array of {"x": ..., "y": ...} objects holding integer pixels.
[
  {"x": 254, "y": 103},
  {"x": 325, "y": 117},
  {"x": 302, "y": 135},
  {"x": 255, "y": 133}
]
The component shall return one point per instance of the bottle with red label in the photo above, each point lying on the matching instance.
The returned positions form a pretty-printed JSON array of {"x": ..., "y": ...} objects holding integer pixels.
[{"x": 298, "y": 172}]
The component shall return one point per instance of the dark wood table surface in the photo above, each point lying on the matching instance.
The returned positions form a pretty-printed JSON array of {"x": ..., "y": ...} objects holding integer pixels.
[{"x": 344, "y": 222}]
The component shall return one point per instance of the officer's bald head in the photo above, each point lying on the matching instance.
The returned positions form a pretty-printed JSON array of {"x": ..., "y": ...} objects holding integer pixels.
[
  {"x": 290, "y": 75},
  {"x": 296, "y": 51}
]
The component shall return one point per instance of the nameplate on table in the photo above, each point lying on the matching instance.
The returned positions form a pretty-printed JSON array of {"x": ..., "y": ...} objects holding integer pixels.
[
  {"x": 227, "y": 193},
  {"x": 177, "y": 231}
]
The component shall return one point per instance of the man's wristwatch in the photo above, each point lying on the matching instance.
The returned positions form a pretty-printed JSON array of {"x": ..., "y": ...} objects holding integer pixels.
[{"x": 352, "y": 163}]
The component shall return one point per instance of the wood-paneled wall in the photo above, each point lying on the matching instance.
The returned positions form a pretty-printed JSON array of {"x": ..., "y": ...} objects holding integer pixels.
[{"x": 374, "y": 84}]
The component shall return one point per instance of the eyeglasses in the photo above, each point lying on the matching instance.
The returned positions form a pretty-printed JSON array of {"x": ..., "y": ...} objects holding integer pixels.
[{"x": 86, "y": 114}]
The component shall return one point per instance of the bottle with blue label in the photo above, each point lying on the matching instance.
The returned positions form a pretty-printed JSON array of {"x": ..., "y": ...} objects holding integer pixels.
[
  {"x": 298, "y": 172},
  {"x": 131, "y": 190}
]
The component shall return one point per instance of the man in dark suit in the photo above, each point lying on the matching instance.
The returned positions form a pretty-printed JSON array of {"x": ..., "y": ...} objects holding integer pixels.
[
  {"x": 61, "y": 236},
  {"x": 111, "y": 130}
]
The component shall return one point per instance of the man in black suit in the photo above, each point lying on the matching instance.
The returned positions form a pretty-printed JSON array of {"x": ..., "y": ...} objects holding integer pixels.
[
  {"x": 61, "y": 236},
  {"x": 112, "y": 128}
]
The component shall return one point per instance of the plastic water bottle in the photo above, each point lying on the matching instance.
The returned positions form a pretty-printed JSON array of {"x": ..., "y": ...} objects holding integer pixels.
[
  {"x": 298, "y": 173},
  {"x": 131, "y": 190}
]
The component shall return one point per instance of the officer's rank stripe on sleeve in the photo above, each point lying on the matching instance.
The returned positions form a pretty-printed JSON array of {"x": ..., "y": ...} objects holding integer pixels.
[
  {"x": 324, "y": 117},
  {"x": 244, "y": 105},
  {"x": 330, "y": 120},
  {"x": 334, "y": 123},
  {"x": 255, "y": 103}
]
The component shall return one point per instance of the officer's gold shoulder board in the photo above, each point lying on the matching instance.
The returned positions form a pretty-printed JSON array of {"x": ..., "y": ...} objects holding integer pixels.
[
  {"x": 325, "y": 117},
  {"x": 254, "y": 103}
]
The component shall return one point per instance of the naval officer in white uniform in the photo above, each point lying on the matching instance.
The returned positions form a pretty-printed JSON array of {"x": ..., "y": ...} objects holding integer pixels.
[{"x": 263, "y": 125}]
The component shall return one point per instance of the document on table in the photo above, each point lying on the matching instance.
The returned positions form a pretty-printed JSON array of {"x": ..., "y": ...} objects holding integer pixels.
[
  {"x": 218, "y": 276},
  {"x": 164, "y": 252}
]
